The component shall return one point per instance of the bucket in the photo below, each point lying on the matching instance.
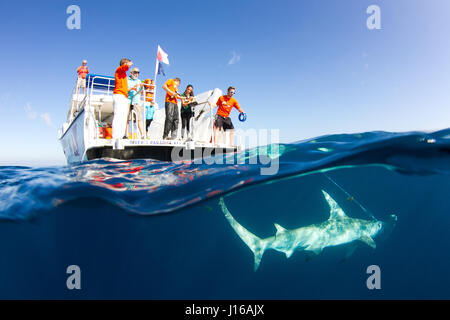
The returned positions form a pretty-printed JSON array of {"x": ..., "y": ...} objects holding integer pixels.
[{"x": 108, "y": 133}]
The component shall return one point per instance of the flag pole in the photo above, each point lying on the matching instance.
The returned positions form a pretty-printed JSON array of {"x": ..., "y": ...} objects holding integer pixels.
[
  {"x": 156, "y": 73},
  {"x": 154, "y": 86}
]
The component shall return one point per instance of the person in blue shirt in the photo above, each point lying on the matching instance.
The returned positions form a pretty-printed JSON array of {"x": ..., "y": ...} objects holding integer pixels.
[
  {"x": 149, "y": 112},
  {"x": 134, "y": 98}
]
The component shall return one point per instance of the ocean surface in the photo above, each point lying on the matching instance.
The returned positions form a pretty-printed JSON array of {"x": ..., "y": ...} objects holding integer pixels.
[{"x": 154, "y": 230}]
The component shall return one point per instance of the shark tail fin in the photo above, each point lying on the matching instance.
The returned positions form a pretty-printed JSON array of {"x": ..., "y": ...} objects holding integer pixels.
[
  {"x": 256, "y": 244},
  {"x": 258, "y": 253}
]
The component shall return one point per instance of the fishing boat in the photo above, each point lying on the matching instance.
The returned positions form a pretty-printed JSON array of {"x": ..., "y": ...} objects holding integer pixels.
[{"x": 86, "y": 134}]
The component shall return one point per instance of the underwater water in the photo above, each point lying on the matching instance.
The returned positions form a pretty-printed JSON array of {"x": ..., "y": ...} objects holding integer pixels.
[{"x": 154, "y": 230}]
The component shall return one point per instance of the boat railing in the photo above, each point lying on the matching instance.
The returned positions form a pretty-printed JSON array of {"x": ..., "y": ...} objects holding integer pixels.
[
  {"x": 98, "y": 84},
  {"x": 77, "y": 102},
  {"x": 95, "y": 85}
]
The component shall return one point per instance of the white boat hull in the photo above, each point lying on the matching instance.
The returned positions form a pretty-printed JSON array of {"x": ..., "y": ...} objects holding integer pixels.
[{"x": 73, "y": 141}]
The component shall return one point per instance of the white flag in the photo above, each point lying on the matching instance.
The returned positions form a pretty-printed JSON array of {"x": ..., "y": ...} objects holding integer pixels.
[{"x": 162, "y": 56}]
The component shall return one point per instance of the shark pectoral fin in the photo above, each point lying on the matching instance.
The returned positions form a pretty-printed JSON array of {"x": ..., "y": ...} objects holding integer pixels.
[
  {"x": 279, "y": 228},
  {"x": 368, "y": 239},
  {"x": 351, "y": 249}
]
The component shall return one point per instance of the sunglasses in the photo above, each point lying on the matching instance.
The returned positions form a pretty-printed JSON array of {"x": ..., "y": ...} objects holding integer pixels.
[{"x": 232, "y": 92}]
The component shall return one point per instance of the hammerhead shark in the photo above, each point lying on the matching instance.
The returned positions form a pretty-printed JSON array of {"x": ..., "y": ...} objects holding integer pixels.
[{"x": 337, "y": 230}]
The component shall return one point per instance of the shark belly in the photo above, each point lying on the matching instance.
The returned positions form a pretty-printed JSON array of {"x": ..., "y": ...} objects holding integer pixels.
[{"x": 340, "y": 231}]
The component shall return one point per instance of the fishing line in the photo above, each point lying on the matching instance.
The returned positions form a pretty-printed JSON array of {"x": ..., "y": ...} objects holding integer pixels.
[
  {"x": 350, "y": 197},
  {"x": 203, "y": 110}
]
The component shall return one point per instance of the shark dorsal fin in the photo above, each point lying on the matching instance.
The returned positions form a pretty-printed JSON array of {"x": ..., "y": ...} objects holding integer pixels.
[
  {"x": 280, "y": 229},
  {"x": 335, "y": 210}
]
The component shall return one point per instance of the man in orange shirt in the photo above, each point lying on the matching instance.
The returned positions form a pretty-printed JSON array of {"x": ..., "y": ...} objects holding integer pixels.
[
  {"x": 171, "y": 107},
  {"x": 223, "y": 120},
  {"x": 120, "y": 99},
  {"x": 82, "y": 73}
]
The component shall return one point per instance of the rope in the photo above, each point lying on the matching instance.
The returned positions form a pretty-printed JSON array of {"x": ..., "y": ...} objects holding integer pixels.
[{"x": 350, "y": 197}]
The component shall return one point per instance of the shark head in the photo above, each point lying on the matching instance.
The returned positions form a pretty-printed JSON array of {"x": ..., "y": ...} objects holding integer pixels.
[
  {"x": 388, "y": 226},
  {"x": 373, "y": 228},
  {"x": 376, "y": 227},
  {"x": 380, "y": 229}
]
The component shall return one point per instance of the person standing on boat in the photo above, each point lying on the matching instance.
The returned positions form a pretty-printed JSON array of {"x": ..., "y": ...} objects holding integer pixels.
[
  {"x": 223, "y": 120},
  {"x": 120, "y": 99},
  {"x": 134, "y": 98},
  {"x": 149, "y": 86},
  {"x": 82, "y": 73},
  {"x": 149, "y": 113},
  {"x": 187, "y": 103},
  {"x": 171, "y": 107}
]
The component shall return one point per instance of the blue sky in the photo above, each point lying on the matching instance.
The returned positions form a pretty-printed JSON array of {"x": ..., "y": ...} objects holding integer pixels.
[{"x": 308, "y": 68}]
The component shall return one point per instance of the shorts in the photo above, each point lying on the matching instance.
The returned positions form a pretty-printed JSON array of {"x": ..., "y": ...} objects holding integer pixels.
[
  {"x": 223, "y": 123},
  {"x": 139, "y": 110},
  {"x": 81, "y": 83}
]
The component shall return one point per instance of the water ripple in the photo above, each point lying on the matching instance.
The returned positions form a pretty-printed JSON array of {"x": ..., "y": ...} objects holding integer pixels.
[{"x": 151, "y": 187}]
